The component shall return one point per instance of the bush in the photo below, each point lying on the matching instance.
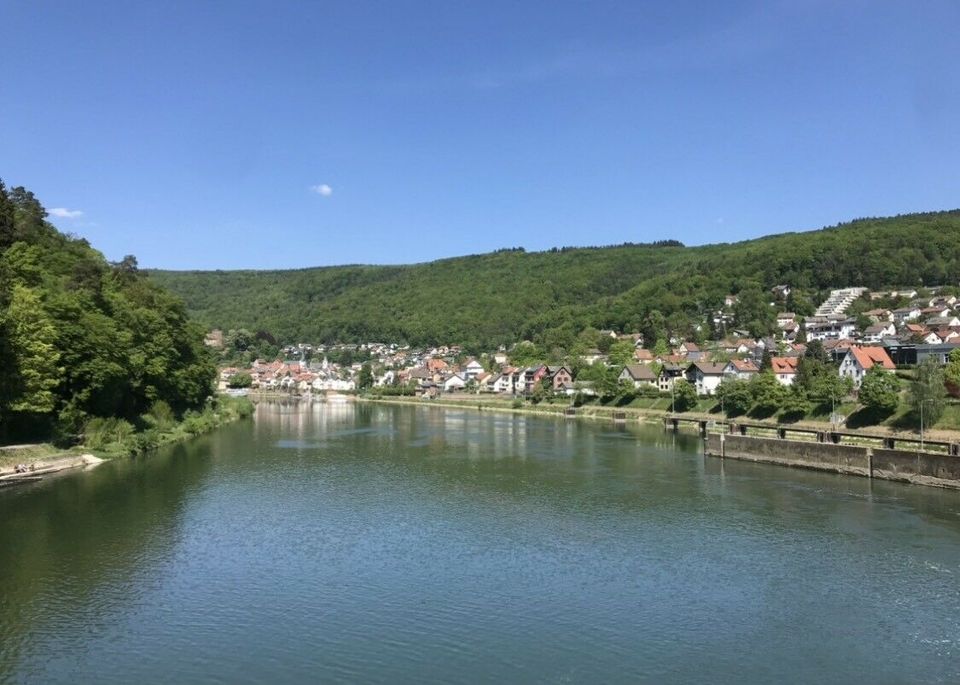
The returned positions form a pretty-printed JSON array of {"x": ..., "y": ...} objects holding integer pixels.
[
  {"x": 100, "y": 432},
  {"x": 517, "y": 403},
  {"x": 880, "y": 391},
  {"x": 684, "y": 396},
  {"x": 160, "y": 416}
]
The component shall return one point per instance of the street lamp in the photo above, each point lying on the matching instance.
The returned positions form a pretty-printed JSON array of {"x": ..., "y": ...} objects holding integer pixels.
[{"x": 923, "y": 402}]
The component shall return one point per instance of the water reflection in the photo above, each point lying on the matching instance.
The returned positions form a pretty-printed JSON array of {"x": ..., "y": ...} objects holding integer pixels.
[{"x": 382, "y": 543}]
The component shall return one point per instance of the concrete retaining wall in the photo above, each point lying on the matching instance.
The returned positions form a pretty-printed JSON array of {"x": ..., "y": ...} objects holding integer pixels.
[{"x": 925, "y": 468}]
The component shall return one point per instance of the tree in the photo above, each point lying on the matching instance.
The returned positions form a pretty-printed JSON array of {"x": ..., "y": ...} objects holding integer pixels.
[
  {"x": 795, "y": 403},
  {"x": 927, "y": 393},
  {"x": 7, "y": 211},
  {"x": 31, "y": 336},
  {"x": 621, "y": 352},
  {"x": 684, "y": 395},
  {"x": 952, "y": 374},
  {"x": 365, "y": 379},
  {"x": 240, "y": 380},
  {"x": 735, "y": 396},
  {"x": 768, "y": 394},
  {"x": 816, "y": 351},
  {"x": 880, "y": 391}
]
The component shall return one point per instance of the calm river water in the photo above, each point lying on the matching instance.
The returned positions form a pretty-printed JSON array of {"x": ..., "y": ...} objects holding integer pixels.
[{"x": 390, "y": 544}]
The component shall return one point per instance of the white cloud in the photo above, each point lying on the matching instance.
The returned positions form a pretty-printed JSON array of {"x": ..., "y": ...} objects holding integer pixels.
[
  {"x": 64, "y": 213},
  {"x": 322, "y": 189}
]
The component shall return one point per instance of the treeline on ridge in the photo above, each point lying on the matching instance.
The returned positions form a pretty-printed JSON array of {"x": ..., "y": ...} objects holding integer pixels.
[{"x": 661, "y": 290}]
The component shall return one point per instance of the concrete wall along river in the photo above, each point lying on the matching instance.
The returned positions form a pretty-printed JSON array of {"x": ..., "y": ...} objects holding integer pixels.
[{"x": 926, "y": 468}]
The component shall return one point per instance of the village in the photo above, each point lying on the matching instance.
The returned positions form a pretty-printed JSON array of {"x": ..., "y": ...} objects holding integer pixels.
[{"x": 878, "y": 338}]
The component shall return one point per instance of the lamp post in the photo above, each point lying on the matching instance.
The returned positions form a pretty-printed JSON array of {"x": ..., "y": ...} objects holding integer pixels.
[
  {"x": 923, "y": 402},
  {"x": 673, "y": 404}
]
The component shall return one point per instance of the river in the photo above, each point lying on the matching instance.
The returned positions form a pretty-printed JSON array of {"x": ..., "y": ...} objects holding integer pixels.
[{"x": 396, "y": 544}]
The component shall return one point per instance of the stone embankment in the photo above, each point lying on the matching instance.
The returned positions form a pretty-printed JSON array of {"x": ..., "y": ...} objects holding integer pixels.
[{"x": 908, "y": 465}]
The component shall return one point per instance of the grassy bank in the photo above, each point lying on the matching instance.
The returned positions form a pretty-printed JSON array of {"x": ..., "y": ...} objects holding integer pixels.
[
  {"x": 654, "y": 409},
  {"x": 110, "y": 438}
]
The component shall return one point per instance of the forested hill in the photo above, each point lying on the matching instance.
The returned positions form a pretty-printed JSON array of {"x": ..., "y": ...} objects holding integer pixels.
[
  {"x": 505, "y": 296},
  {"x": 81, "y": 338}
]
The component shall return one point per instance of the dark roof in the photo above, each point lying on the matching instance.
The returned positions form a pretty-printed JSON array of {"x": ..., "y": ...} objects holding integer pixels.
[{"x": 639, "y": 372}]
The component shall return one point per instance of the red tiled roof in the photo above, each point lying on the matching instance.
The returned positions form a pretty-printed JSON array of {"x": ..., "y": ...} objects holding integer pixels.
[
  {"x": 784, "y": 365},
  {"x": 868, "y": 357}
]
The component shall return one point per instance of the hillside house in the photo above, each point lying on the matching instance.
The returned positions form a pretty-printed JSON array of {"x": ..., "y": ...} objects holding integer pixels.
[
  {"x": 741, "y": 369},
  {"x": 905, "y": 314},
  {"x": 705, "y": 376},
  {"x": 879, "y": 331},
  {"x": 638, "y": 374},
  {"x": 472, "y": 369},
  {"x": 859, "y": 360},
  {"x": 669, "y": 373},
  {"x": 560, "y": 377},
  {"x": 784, "y": 369},
  {"x": 454, "y": 383}
]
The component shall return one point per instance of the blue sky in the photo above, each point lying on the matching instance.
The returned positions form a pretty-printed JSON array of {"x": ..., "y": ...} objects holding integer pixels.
[{"x": 292, "y": 134}]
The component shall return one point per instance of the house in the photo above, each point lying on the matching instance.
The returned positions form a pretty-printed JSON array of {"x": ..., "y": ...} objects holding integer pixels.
[
  {"x": 742, "y": 369},
  {"x": 591, "y": 356},
  {"x": 643, "y": 356},
  {"x": 880, "y": 315},
  {"x": 532, "y": 376},
  {"x": 784, "y": 369},
  {"x": 669, "y": 373},
  {"x": 830, "y": 328},
  {"x": 436, "y": 365},
  {"x": 784, "y": 318},
  {"x": 454, "y": 383},
  {"x": 560, "y": 377},
  {"x": 705, "y": 376},
  {"x": 780, "y": 291},
  {"x": 859, "y": 360},
  {"x": 934, "y": 312},
  {"x": 878, "y": 331},
  {"x": 904, "y": 314},
  {"x": 945, "y": 320},
  {"x": 503, "y": 383},
  {"x": 686, "y": 348},
  {"x": 638, "y": 374},
  {"x": 472, "y": 369}
]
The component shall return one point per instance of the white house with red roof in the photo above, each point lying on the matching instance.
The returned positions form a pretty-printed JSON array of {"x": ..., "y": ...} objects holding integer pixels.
[
  {"x": 784, "y": 369},
  {"x": 859, "y": 360}
]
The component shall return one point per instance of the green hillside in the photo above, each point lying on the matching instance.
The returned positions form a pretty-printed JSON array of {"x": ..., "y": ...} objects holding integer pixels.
[
  {"x": 490, "y": 299},
  {"x": 81, "y": 338}
]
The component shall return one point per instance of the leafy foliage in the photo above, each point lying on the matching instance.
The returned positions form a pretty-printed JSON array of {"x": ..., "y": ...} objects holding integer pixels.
[
  {"x": 550, "y": 297},
  {"x": 684, "y": 395},
  {"x": 83, "y": 339},
  {"x": 880, "y": 391},
  {"x": 735, "y": 396},
  {"x": 927, "y": 393}
]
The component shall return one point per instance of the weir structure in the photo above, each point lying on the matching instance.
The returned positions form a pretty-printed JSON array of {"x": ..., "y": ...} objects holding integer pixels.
[{"x": 900, "y": 458}]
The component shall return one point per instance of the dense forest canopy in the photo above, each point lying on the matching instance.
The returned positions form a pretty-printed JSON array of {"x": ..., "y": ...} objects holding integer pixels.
[
  {"x": 82, "y": 338},
  {"x": 499, "y": 298}
]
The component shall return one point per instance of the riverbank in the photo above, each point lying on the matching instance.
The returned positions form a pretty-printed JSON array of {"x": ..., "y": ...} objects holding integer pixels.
[
  {"x": 654, "y": 414},
  {"x": 113, "y": 438},
  {"x": 26, "y": 472}
]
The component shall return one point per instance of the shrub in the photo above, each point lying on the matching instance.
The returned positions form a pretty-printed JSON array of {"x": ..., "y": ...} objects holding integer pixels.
[
  {"x": 684, "y": 396},
  {"x": 100, "y": 432}
]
